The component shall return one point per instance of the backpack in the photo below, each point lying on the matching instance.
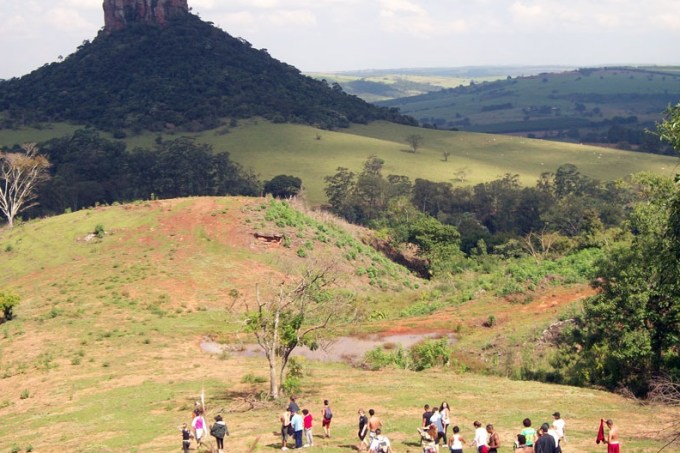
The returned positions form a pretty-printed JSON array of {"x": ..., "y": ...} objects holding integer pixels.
[
  {"x": 328, "y": 414},
  {"x": 218, "y": 430}
]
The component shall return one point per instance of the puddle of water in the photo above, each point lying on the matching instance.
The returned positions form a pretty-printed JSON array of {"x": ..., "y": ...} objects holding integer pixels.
[{"x": 342, "y": 349}]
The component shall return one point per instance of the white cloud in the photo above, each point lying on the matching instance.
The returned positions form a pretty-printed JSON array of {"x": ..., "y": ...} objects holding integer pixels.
[
  {"x": 202, "y": 5},
  {"x": 389, "y": 33},
  {"x": 400, "y": 6},
  {"x": 68, "y": 20},
  {"x": 84, "y": 4},
  {"x": 292, "y": 18}
]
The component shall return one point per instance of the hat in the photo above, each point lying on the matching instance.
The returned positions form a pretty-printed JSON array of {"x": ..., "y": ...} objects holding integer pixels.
[{"x": 556, "y": 414}]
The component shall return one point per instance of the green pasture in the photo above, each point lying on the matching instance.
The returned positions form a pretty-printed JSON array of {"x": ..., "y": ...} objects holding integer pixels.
[
  {"x": 615, "y": 91},
  {"x": 11, "y": 137},
  {"x": 312, "y": 154}
]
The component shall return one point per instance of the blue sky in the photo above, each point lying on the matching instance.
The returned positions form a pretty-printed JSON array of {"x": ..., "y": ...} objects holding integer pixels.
[{"x": 332, "y": 35}]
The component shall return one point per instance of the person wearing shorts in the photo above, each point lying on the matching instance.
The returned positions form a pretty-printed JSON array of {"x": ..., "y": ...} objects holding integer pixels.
[
  {"x": 363, "y": 429},
  {"x": 326, "y": 420},
  {"x": 285, "y": 423}
]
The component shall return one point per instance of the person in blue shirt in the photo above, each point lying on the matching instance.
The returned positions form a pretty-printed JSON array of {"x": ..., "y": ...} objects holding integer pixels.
[{"x": 298, "y": 426}]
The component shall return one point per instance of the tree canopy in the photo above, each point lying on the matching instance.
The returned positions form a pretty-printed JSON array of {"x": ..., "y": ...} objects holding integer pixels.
[
  {"x": 189, "y": 75},
  {"x": 629, "y": 334}
]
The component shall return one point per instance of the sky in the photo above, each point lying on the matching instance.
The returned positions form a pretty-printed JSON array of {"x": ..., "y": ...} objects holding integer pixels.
[{"x": 337, "y": 35}]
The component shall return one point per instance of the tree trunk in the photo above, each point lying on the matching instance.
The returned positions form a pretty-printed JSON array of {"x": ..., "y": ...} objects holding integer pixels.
[{"x": 273, "y": 379}]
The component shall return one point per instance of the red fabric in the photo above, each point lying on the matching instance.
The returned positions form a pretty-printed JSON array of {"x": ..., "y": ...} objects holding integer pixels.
[
  {"x": 600, "y": 433},
  {"x": 613, "y": 448}
]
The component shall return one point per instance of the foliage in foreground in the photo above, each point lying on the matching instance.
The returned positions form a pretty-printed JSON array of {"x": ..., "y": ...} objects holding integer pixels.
[{"x": 629, "y": 334}]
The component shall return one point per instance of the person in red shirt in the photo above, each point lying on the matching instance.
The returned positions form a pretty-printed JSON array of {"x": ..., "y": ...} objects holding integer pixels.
[{"x": 307, "y": 423}]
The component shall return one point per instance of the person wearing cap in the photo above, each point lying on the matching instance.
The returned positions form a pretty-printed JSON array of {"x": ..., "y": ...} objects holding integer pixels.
[
  {"x": 558, "y": 426},
  {"x": 545, "y": 442}
]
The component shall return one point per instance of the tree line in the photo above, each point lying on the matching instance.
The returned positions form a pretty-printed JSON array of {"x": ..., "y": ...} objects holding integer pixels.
[
  {"x": 85, "y": 169},
  {"x": 564, "y": 202}
]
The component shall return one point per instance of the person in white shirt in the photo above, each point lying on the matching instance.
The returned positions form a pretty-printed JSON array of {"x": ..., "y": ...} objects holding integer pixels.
[
  {"x": 380, "y": 443},
  {"x": 481, "y": 437},
  {"x": 558, "y": 426}
]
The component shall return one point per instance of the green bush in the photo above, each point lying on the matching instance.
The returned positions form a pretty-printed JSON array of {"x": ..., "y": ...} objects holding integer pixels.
[
  {"x": 8, "y": 301},
  {"x": 99, "y": 230},
  {"x": 423, "y": 355},
  {"x": 293, "y": 381},
  {"x": 430, "y": 353},
  {"x": 253, "y": 379},
  {"x": 378, "y": 358}
]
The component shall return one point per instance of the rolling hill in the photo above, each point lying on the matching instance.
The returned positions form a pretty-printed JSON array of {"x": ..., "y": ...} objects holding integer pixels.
[
  {"x": 104, "y": 352},
  {"x": 183, "y": 74},
  {"x": 587, "y": 102},
  {"x": 375, "y": 85}
]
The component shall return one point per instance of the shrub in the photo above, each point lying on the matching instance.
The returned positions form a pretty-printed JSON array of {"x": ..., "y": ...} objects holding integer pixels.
[
  {"x": 7, "y": 303},
  {"x": 378, "y": 358},
  {"x": 252, "y": 379},
  {"x": 293, "y": 381},
  {"x": 430, "y": 353},
  {"x": 99, "y": 230}
]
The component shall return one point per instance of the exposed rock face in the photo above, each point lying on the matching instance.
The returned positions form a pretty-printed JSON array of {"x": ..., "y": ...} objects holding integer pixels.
[{"x": 119, "y": 13}]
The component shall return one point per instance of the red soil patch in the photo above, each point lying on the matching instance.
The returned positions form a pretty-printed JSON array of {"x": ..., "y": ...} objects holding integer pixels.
[{"x": 445, "y": 320}]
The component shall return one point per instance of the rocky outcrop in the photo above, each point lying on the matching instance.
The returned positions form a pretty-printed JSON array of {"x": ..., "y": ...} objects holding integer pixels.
[{"x": 120, "y": 13}]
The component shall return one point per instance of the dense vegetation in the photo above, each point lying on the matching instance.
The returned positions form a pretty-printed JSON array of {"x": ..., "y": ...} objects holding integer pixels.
[
  {"x": 565, "y": 210},
  {"x": 189, "y": 75},
  {"x": 627, "y": 335},
  {"x": 88, "y": 170},
  {"x": 624, "y": 236}
]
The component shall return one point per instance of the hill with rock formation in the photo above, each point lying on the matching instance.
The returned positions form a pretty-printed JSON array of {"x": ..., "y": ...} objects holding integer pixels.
[{"x": 156, "y": 66}]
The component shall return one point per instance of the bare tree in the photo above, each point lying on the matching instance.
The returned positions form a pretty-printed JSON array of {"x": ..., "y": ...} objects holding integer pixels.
[
  {"x": 664, "y": 390},
  {"x": 540, "y": 245},
  {"x": 445, "y": 155},
  {"x": 292, "y": 317},
  {"x": 460, "y": 175},
  {"x": 414, "y": 141},
  {"x": 20, "y": 175}
]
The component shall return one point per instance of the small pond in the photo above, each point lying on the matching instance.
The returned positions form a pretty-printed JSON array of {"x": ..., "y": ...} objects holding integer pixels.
[{"x": 342, "y": 349}]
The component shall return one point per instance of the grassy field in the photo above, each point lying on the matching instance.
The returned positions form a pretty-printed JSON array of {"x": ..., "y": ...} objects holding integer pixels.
[
  {"x": 311, "y": 154},
  {"x": 104, "y": 353}
]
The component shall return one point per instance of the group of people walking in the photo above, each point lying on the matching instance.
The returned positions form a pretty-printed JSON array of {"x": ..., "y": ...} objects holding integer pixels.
[
  {"x": 297, "y": 425},
  {"x": 199, "y": 430},
  {"x": 435, "y": 424}
]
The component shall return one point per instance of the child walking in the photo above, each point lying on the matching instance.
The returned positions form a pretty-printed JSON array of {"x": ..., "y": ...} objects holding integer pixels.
[
  {"x": 307, "y": 423},
  {"x": 186, "y": 437}
]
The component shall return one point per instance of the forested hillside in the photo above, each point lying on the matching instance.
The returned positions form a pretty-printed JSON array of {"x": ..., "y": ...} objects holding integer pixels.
[{"x": 189, "y": 75}]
